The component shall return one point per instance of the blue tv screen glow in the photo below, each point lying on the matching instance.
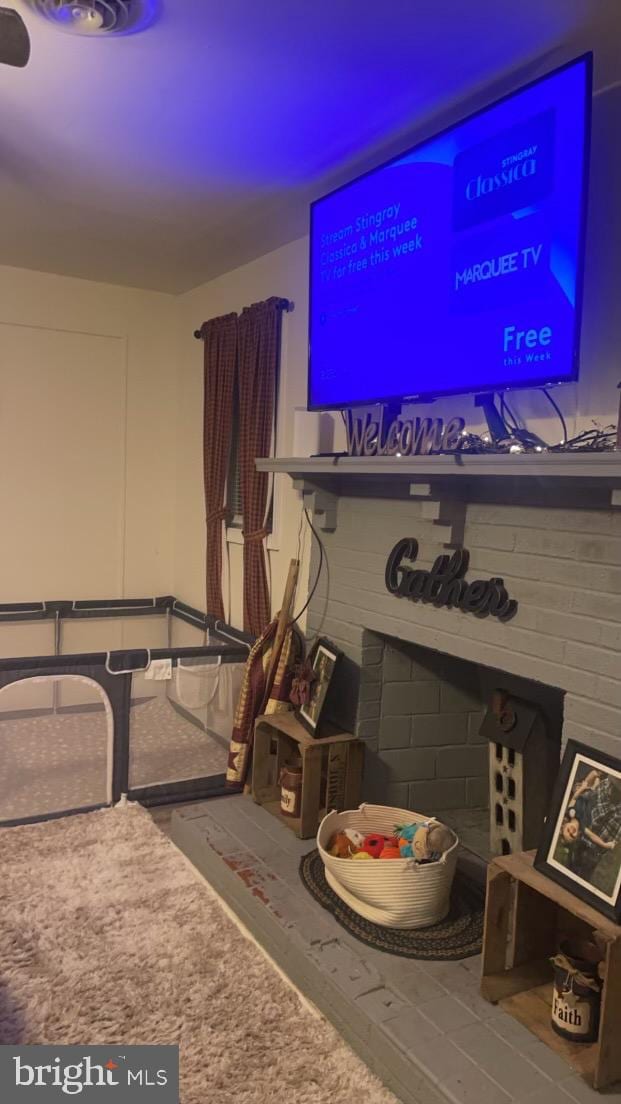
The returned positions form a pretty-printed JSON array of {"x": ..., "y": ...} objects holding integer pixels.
[{"x": 457, "y": 266}]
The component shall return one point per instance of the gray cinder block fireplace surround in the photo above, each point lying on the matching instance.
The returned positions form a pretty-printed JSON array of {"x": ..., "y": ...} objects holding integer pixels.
[{"x": 417, "y": 676}]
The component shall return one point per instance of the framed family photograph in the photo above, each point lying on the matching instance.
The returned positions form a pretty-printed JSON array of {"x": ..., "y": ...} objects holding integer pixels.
[
  {"x": 581, "y": 842},
  {"x": 323, "y": 660}
]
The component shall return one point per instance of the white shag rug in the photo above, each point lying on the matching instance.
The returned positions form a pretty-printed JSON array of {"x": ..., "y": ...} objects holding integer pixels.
[{"x": 107, "y": 935}]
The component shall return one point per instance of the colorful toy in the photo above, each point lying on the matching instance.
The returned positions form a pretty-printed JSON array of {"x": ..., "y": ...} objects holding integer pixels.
[
  {"x": 424, "y": 842},
  {"x": 356, "y": 837},
  {"x": 341, "y": 846},
  {"x": 405, "y": 838},
  {"x": 373, "y": 845}
]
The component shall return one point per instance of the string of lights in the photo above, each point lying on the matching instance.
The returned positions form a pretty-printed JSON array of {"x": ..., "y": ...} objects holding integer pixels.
[{"x": 597, "y": 439}]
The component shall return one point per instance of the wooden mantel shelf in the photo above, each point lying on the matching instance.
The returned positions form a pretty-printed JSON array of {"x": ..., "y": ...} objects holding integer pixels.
[
  {"x": 603, "y": 468},
  {"x": 551, "y": 479}
]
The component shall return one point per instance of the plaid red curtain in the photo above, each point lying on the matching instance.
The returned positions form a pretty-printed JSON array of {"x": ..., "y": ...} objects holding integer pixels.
[
  {"x": 220, "y": 341},
  {"x": 259, "y": 332}
]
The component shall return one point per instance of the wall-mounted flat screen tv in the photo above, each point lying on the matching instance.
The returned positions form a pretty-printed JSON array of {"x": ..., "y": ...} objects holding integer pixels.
[{"x": 457, "y": 267}]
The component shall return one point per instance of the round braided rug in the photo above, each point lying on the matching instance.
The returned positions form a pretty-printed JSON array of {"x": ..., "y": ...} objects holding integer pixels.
[{"x": 458, "y": 936}]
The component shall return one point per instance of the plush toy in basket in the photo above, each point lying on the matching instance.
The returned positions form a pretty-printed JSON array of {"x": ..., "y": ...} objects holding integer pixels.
[
  {"x": 423, "y": 842},
  {"x": 390, "y": 865}
]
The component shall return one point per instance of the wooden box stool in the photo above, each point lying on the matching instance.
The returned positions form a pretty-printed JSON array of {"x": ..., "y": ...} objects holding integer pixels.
[
  {"x": 331, "y": 769},
  {"x": 526, "y": 917}
]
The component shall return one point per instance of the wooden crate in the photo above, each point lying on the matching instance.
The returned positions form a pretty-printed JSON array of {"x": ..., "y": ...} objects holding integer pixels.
[
  {"x": 331, "y": 769},
  {"x": 526, "y": 917}
]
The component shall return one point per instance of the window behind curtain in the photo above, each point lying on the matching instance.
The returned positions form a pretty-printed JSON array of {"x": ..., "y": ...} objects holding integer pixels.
[{"x": 233, "y": 479}]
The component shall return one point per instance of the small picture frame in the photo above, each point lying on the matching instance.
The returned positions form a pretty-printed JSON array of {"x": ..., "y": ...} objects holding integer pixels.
[
  {"x": 580, "y": 847},
  {"x": 323, "y": 658}
]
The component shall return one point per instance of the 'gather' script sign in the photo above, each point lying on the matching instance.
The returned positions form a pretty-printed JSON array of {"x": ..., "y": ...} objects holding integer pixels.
[{"x": 444, "y": 584}]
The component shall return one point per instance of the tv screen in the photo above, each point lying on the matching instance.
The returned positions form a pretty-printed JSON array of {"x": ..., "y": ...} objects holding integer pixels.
[{"x": 457, "y": 266}]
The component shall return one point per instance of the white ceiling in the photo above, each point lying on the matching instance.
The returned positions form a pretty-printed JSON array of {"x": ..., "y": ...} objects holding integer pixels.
[{"x": 164, "y": 158}]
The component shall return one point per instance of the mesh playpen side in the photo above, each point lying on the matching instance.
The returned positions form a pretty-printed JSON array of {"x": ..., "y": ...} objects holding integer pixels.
[{"x": 109, "y": 698}]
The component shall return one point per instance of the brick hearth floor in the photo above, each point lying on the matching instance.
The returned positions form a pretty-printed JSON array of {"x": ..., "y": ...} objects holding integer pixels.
[{"x": 421, "y": 1026}]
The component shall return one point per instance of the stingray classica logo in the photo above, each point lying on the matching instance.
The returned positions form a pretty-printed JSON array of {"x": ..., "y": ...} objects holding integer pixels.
[
  {"x": 133, "y": 1073},
  {"x": 512, "y": 170}
]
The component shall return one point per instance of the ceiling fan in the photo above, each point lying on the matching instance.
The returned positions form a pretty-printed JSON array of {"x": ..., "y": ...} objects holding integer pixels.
[
  {"x": 14, "y": 39},
  {"x": 102, "y": 18}
]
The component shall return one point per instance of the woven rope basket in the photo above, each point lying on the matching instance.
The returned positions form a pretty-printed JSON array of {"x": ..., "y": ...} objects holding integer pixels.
[{"x": 397, "y": 893}]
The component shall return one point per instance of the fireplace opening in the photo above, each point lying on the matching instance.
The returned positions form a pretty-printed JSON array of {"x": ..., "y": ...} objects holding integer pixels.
[{"x": 474, "y": 746}]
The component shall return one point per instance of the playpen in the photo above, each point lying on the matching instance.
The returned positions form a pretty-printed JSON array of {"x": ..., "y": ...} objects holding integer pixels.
[{"x": 109, "y": 698}]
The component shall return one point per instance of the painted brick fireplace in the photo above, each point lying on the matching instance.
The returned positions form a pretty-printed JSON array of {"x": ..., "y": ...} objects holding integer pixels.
[
  {"x": 428, "y": 741},
  {"x": 416, "y": 678},
  {"x": 425, "y": 750}
]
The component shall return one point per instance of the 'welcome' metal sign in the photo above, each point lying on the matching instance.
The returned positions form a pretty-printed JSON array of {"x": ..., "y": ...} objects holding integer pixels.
[{"x": 373, "y": 436}]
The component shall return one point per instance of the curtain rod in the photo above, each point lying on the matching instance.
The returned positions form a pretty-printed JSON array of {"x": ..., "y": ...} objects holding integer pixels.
[{"x": 285, "y": 304}]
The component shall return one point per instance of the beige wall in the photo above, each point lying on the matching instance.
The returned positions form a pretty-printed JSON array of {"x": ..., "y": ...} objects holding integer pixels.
[{"x": 87, "y": 400}]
